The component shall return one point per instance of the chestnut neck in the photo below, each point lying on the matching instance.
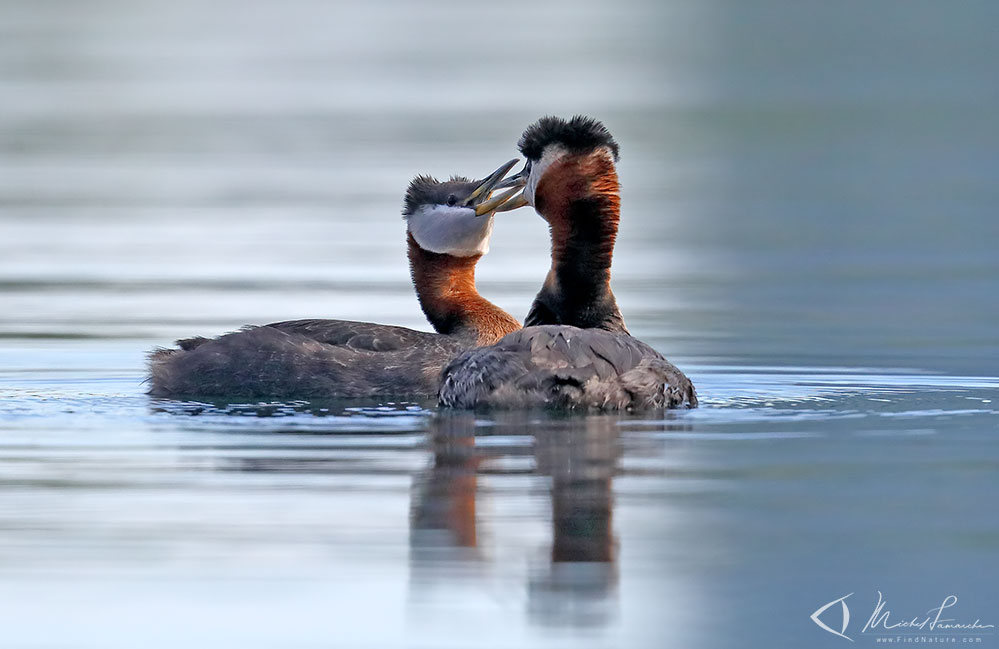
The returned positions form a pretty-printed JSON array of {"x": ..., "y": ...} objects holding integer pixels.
[
  {"x": 445, "y": 287},
  {"x": 579, "y": 197}
]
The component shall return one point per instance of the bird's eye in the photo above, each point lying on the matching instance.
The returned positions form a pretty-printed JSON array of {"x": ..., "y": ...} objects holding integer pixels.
[{"x": 451, "y": 200}]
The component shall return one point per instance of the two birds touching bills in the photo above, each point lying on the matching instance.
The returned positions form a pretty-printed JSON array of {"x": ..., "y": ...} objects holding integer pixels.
[{"x": 572, "y": 353}]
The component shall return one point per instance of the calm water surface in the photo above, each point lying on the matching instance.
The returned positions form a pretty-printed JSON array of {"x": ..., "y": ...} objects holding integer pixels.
[{"x": 809, "y": 230}]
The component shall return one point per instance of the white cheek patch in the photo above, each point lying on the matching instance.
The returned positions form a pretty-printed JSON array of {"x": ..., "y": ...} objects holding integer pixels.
[
  {"x": 453, "y": 231},
  {"x": 549, "y": 156}
]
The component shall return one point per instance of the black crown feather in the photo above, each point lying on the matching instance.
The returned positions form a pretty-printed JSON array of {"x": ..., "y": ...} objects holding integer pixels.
[
  {"x": 578, "y": 134},
  {"x": 427, "y": 190},
  {"x": 416, "y": 193}
]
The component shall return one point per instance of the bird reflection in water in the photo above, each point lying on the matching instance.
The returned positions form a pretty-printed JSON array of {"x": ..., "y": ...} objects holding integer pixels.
[
  {"x": 443, "y": 520},
  {"x": 460, "y": 551},
  {"x": 577, "y": 584}
]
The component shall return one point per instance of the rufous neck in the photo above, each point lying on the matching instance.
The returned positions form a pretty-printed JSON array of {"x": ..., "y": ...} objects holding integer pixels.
[
  {"x": 583, "y": 220},
  {"x": 583, "y": 245},
  {"x": 445, "y": 287}
]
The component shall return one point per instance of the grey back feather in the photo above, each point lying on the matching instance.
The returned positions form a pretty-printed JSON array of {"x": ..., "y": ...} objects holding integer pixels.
[
  {"x": 563, "y": 367},
  {"x": 306, "y": 359}
]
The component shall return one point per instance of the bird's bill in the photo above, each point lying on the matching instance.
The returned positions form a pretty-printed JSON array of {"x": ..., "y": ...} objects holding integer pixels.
[
  {"x": 514, "y": 203},
  {"x": 489, "y": 184},
  {"x": 518, "y": 179},
  {"x": 508, "y": 200}
]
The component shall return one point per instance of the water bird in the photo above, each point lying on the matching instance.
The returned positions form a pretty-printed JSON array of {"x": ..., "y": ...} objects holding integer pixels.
[
  {"x": 449, "y": 224},
  {"x": 574, "y": 351}
]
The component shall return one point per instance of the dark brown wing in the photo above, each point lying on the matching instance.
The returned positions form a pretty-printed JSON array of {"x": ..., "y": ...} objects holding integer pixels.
[
  {"x": 567, "y": 368},
  {"x": 359, "y": 336},
  {"x": 306, "y": 359}
]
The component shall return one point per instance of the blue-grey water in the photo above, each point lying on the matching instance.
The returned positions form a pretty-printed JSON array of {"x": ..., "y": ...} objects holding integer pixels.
[{"x": 809, "y": 230}]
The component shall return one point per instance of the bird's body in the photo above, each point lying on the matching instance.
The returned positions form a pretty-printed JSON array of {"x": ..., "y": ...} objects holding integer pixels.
[
  {"x": 308, "y": 359},
  {"x": 567, "y": 368},
  {"x": 575, "y": 351},
  {"x": 449, "y": 225}
]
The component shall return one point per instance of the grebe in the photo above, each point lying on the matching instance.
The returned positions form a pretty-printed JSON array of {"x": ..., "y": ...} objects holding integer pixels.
[
  {"x": 575, "y": 351},
  {"x": 449, "y": 225}
]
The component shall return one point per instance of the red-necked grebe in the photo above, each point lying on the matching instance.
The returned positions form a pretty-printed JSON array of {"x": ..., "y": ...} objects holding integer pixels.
[
  {"x": 449, "y": 225},
  {"x": 575, "y": 351}
]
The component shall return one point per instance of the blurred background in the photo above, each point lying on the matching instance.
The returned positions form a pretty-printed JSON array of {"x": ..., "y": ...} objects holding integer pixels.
[
  {"x": 800, "y": 179},
  {"x": 808, "y": 188}
]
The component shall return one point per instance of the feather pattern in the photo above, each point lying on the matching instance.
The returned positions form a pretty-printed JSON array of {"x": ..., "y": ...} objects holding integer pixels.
[
  {"x": 566, "y": 368},
  {"x": 307, "y": 359}
]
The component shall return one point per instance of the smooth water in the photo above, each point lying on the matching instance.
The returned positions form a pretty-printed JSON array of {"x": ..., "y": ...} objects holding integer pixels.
[{"x": 809, "y": 230}]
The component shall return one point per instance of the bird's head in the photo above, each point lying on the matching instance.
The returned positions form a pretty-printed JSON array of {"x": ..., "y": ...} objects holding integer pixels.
[
  {"x": 568, "y": 160},
  {"x": 454, "y": 217}
]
